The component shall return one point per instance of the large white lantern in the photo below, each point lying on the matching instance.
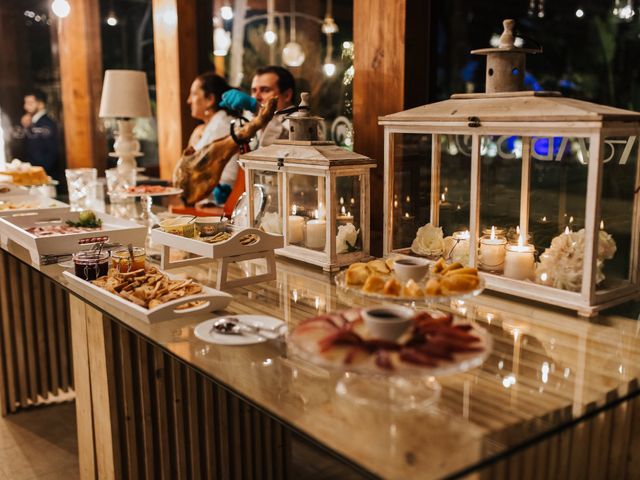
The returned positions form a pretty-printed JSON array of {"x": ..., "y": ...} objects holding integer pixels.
[{"x": 556, "y": 178}]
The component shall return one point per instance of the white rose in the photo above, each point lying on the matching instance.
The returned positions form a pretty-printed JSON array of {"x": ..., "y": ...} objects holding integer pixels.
[
  {"x": 429, "y": 241},
  {"x": 346, "y": 238}
]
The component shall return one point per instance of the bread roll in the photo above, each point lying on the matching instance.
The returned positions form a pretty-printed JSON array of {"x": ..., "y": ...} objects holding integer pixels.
[
  {"x": 374, "y": 284},
  {"x": 392, "y": 287},
  {"x": 357, "y": 276}
]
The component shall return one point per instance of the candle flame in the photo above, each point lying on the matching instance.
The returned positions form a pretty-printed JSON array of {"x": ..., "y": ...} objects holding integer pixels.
[
  {"x": 408, "y": 199},
  {"x": 517, "y": 229},
  {"x": 353, "y": 200},
  {"x": 571, "y": 220},
  {"x": 544, "y": 219},
  {"x": 317, "y": 213},
  {"x": 446, "y": 189},
  {"x": 343, "y": 210},
  {"x": 566, "y": 230},
  {"x": 601, "y": 224},
  {"x": 493, "y": 232},
  {"x": 521, "y": 241},
  {"x": 406, "y": 214},
  {"x": 395, "y": 203},
  {"x": 294, "y": 209},
  {"x": 341, "y": 200},
  {"x": 442, "y": 197}
]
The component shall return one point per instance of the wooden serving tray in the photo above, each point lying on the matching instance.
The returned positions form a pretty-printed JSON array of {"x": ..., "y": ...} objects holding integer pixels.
[
  {"x": 213, "y": 300},
  {"x": 114, "y": 230},
  {"x": 229, "y": 251}
]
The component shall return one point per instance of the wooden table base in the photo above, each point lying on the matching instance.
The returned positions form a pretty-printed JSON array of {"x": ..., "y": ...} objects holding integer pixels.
[
  {"x": 35, "y": 354},
  {"x": 144, "y": 414}
]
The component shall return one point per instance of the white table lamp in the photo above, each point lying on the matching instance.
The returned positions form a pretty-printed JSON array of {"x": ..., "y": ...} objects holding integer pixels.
[{"x": 125, "y": 95}]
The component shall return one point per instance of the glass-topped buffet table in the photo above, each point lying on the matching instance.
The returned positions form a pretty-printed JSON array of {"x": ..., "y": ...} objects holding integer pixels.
[{"x": 557, "y": 398}]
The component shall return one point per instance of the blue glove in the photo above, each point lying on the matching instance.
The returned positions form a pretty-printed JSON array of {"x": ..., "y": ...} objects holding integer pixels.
[
  {"x": 221, "y": 193},
  {"x": 237, "y": 100}
]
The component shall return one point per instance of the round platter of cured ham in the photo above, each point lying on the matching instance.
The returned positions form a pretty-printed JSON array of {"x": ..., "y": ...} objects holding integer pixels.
[{"x": 399, "y": 372}]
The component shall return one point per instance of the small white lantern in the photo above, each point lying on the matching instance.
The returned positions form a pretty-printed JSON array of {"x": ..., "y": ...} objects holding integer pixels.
[
  {"x": 313, "y": 192},
  {"x": 561, "y": 174}
]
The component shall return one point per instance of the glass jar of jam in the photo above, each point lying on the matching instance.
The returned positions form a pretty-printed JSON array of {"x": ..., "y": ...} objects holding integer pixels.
[
  {"x": 121, "y": 259},
  {"x": 91, "y": 265}
]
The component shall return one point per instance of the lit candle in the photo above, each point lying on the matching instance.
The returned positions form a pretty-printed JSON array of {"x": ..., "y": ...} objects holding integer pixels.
[
  {"x": 492, "y": 251},
  {"x": 601, "y": 224},
  {"x": 495, "y": 231},
  {"x": 344, "y": 217},
  {"x": 519, "y": 262},
  {"x": 316, "y": 233},
  {"x": 341, "y": 200},
  {"x": 295, "y": 229}
]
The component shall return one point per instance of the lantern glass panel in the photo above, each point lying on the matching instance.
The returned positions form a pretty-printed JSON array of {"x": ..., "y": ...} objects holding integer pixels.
[
  {"x": 347, "y": 205},
  {"x": 455, "y": 183},
  {"x": 271, "y": 218},
  {"x": 307, "y": 202},
  {"x": 557, "y": 203},
  {"x": 410, "y": 208},
  {"x": 620, "y": 157},
  {"x": 500, "y": 183}
]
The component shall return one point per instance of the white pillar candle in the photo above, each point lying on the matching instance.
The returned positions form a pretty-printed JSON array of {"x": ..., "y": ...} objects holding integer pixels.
[
  {"x": 519, "y": 262},
  {"x": 492, "y": 252},
  {"x": 316, "y": 234},
  {"x": 295, "y": 229}
]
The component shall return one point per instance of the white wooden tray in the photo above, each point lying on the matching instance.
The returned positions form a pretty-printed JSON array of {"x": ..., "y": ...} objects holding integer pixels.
[
  {"x": 213, "y": 300},
  {"x": 50, "y": 206},
  {"x": 229, "y": 251},
  {"x": 114, "y": 230}
]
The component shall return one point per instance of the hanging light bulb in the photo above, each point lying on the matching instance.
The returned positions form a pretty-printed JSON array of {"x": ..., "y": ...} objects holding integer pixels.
[
  {"x": 292, "y": 53},
  {"x": 221, "y": 39},
  {"x": 270, "y": 36},
  {"x": 112, "y": 20},
  {"x": 329, "y": 67},
  {"x": 61, "y": 8},
  {"x": 226, "y": 12},
  {"x": 329, "y": 25}
]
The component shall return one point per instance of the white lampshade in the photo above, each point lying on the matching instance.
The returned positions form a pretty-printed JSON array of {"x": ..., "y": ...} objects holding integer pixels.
[{"x": 125, "y": 94}]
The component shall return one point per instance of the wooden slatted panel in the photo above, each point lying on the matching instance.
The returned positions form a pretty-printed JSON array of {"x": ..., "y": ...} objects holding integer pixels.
[
  {"x": 18, "y": 331},
  {"x": 29, "y": 326},
  {"x": 50, "y": 329},
  {"x": 35, "y": 342},
  {"x": 172, "y": 422},
  {"x": 9, "y": 402}
]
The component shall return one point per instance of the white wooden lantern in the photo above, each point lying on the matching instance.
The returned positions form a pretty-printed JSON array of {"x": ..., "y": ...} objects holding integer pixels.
[
  {"x": 313, "y": 192},
  {"x": 563, "y": 172}
]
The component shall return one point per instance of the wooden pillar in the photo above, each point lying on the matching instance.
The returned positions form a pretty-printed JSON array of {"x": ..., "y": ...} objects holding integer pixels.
[
  {"x": 180, "y": 55},
  {"x": 391, "y": 43},
  {"x": 81, "y": 75}
]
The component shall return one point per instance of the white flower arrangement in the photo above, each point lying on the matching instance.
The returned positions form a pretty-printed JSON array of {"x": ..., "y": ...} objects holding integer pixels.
[
  {"x": 561, "y": 264},
  {"x": 346, "y": 238},
  {"x": 429, "y": 241}
]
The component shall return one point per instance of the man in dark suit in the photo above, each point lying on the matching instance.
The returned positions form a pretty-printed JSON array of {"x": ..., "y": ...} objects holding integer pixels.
[{"x": 40, "y": 133}]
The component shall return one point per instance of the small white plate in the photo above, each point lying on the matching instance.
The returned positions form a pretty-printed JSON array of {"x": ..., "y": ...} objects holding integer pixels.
[{"x": 203, "y": 330}]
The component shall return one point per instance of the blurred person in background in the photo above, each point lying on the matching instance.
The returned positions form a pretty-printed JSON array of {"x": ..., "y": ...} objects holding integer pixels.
[{"x": 40, "y": 133}]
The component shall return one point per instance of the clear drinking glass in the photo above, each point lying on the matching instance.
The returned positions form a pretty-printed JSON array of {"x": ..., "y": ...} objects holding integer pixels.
[
  {"x": 82, "y": 187},
  {"x": 118, "y": 182}
]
